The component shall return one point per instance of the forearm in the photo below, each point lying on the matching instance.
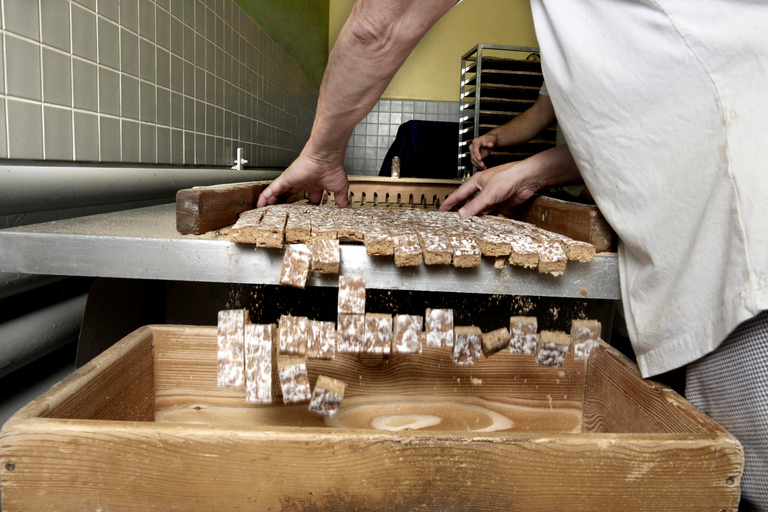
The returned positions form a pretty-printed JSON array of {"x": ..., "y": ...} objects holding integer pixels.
[
  {"x": 374, "y": 43},
  {"x": 551, "y": 168},
  {"x": 526, "y": 125}
]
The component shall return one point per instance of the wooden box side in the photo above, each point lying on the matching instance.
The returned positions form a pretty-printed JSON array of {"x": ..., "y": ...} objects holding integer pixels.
[
  {"x": 94, "y": 465},
  {"x": 185, "y": 375},
  {"x": 578, "y": 221},
  {"x": 116, "y": 385},
  {"x": 203, "y": 209},
  {"x": 617, "y": 399}
]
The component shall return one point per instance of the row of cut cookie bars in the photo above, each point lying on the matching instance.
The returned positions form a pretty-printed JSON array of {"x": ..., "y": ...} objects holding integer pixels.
[
  {"x": 437, "y": 238},
  {"x": 256, "y": 355}
]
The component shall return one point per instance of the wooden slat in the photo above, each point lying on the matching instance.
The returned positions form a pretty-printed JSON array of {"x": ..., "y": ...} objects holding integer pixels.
[
  {"x": 578, "y": 221},
  {"x": 68, "y": 465},
  {"x": 616, "y": 400},
  {"x": 203, "y": 209}
]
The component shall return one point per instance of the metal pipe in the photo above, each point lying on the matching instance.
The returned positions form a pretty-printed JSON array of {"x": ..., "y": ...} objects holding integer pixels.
[
  {"x": 24, "y": 339},
  {"x": 28, "y": 188},
  {"x": 12, "y": 283}
]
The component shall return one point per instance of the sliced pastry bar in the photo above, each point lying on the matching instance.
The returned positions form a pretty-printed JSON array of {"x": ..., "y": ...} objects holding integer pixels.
[
  {"x": 378, "y": 242},
  {"x": 407, "y": 334},
  {"x": 293, "y": 335},
  {"x": 467, "y": 343},
  {"x": 552, "y": 349},
  {"x": 585, "y": 337},
  {"x": 407, "y": 250},
  {"x": 351, "y": 295},
  {"x": 294, "y": 380},
  {"x": 350, "y": 332},
  {"x": 230, "y": 359},
  {"x": 436, "y": 248},
  {"x": 295, "y": 269},
  {"x": 322, "y": 340},
  {"x": 298, "y": 229},
  {"x": 271, "y": 230},
  {"x": 495, "y": 341},
  {"x": 244, "y": 230},
  {"x": 260, "y": 364},
  {"x": 524, "y": 338},
  {"x": 466, "y": 252},
  {"x": 326, "y": 257},
  {"x": 378, "y": 333},
  {"x": 327, "y": 396},
  {"x": 552, "y": 259},
  {"x": 439, "y": 327},
  {"x": 323, "y": 227}
]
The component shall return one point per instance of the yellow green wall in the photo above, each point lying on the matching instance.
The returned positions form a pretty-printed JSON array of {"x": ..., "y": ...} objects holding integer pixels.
[
  {"x": 433, "y": 69},
  {"x": 300, "y": 27}
]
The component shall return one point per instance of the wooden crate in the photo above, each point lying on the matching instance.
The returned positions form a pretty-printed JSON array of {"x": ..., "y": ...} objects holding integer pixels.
[{"x": 144, "y": 427}]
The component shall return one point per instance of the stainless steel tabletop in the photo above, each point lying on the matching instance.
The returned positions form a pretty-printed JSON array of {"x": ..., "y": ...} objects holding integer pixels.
[{"x": 144, "y": 244}]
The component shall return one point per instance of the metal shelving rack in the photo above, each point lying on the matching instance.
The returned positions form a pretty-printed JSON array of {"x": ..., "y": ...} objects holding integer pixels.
[{"x": 494, "y": 90}]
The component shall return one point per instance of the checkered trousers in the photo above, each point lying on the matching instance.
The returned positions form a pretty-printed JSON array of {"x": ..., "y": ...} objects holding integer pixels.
[{"x": 731, "y": 386}]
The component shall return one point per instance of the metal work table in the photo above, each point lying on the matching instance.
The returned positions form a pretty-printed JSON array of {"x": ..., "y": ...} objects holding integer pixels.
[{"x": 144, "y": 244}]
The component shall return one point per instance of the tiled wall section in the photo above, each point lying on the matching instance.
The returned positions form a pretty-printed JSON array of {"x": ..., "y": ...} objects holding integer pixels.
[
  {"x": 147, "y": 81},
  {"x": 373, "y": 135}
]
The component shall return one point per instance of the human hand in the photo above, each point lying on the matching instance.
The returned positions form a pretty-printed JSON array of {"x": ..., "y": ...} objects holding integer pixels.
[
  {"x": 480, "y": 148},
  {"x": 497, "y": 184},
  {"x": 311, "y": 175},
  {"x": 515, "y": 182}
]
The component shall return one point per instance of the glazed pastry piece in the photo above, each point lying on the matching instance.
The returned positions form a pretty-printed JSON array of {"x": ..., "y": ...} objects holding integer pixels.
[
  {"x": 523, "y": 335},
  {"x": 293, "y": 335},
  {"x": 244, "y": 230},
  {"x": 294, "y": 381},
  {"x": 270, "y": 231},
  {"x": 436, "y": 248},
  {"x": 439, "y": 327},
  {"x": 322, "y": 340},
  {"x": 552, "y": 349},
  {"x": 407, "y": 250},
  {"x": 378, "y": 333},
  {"x": 552, "y": 259},
  {"x": 467, "y": 343},
  {"x": 327, "y": 396},
  {"x": 351, "y": 295},
  {"x": 260, "y": 364},
  {"x": 231, "y": 340},
  {"x": 378, "y": 242},
  {"x": 350, "y": 332},
  {"x": 295, "y": 269},
  {"x": 298, "y": 229},
  {"x": 466, "y": 252},
  {"x": 325, "y": 256},
  {"x": 585, "y": 336},
  {"x": 495, "y": 341},
  {"x": 407, "y": 334}
]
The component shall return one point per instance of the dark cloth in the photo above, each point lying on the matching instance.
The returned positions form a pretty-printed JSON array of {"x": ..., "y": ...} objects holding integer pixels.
[{"x": 427, "y": 149}]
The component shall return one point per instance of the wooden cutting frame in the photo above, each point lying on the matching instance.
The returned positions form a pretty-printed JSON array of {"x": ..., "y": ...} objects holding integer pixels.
[{"x": 203, "y": 209}]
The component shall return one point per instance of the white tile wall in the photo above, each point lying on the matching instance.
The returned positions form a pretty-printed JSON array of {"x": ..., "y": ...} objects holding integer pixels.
[
  {"x": 373, "y": 136},
  {"x": 147, "y": 81}
]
